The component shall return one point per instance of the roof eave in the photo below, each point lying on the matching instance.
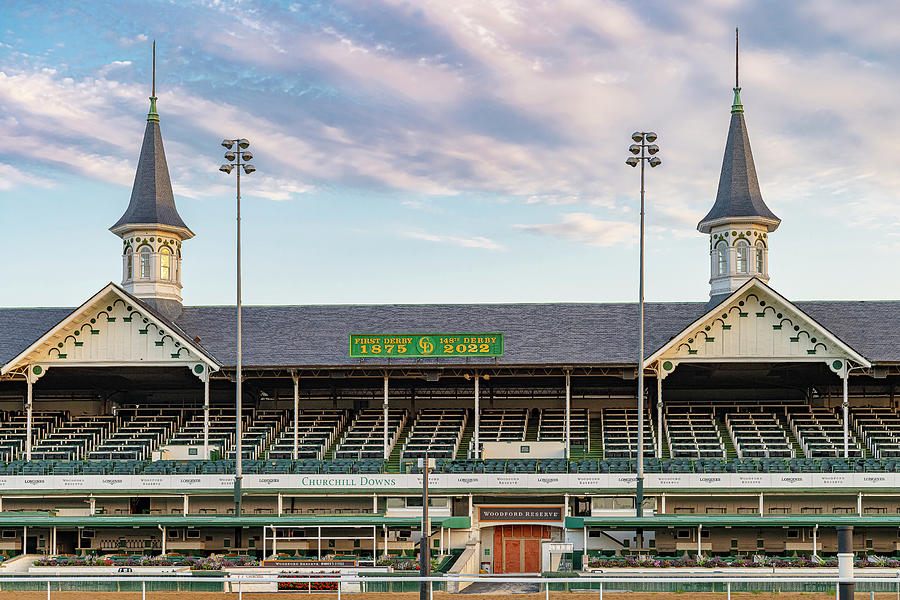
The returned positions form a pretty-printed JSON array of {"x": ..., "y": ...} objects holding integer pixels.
[
  {"x": 707, "y": 226},
  {"x": 120, "y": 228}
]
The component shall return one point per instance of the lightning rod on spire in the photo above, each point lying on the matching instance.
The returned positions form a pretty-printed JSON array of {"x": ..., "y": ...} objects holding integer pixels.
[
  {"x": 736, "y": 81},
  {"x": 153, "y": 86}
]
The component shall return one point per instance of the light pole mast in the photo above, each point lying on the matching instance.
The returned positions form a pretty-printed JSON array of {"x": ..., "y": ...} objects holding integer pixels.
[
  {"x": 643, "y": 146},
  {"x": 237, "y": 156}
]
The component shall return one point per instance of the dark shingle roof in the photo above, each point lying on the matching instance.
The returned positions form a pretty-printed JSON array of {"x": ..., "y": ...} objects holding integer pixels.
[
  {"x": 535, "y": 334},
  {"x": 152, "y": 201},
  {"x": 738, "y": 194}
]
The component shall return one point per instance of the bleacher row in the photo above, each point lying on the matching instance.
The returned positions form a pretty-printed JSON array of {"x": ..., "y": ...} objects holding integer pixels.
[
  {"x": 371, "y": 466},
  {"x": 689, "y": 431}
]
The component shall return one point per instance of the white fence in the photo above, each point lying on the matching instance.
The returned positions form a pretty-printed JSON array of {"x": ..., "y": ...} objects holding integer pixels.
[{"x": 239, "y": 583}]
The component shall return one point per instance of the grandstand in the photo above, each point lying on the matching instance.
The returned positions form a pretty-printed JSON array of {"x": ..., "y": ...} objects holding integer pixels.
[{"x": 767, "y": 422}]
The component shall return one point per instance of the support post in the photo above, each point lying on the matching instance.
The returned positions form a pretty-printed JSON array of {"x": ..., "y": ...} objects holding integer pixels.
[
  {"x": 585, "y": 555},
  {"x": 425, "y": 542},
  {"x": 471, "y": 509},
  {"x": 761, "y": 505},
  {"x": 28, "y": 411},
  {"x": 699, "y": 541},
  {"x": 206, "y": 417},
  {"x": 384, "y": 531},
  {"x": 53, "y": 534},
  {"x": 845, "y": 561},
  {"x": 477, "y": 453},
  {"x": 662, "y": 502},
  {"x": 859, "y": 503},
  {"x": 815, "y": 530},
  {"x": 186, "y": 505},
  {"x": 568, "y": 414},
  {"x": 279, "y": 504},
  {"x": 659, "y": 414},
  {"x": 845, "y": 404},
  {"x": 274, "y": 541},
  {"x": 374, "y": 504},
  {"x": 296, "y": 415},
  {"x": 162, "y": 544},
  {"x": 387, "y": 450}
]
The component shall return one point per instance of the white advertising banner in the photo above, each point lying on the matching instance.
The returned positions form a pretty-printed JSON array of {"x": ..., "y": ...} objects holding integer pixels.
[{"x": 456, "y": 482}]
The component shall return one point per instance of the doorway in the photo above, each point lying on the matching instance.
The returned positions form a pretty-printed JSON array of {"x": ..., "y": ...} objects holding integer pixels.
[
  {"x": 31, "y": 544},
  {"x": 517, "y": 548},
  {"x": 65, "y": 541}
]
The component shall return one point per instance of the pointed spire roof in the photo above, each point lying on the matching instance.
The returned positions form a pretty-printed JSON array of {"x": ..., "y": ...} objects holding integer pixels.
[
  {"x": 152, "y": 202},
  {"x": 738, "y": 196}
]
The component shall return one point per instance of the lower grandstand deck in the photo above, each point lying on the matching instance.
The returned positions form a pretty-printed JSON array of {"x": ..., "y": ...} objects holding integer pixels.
[{"x": 131, "y": 462}]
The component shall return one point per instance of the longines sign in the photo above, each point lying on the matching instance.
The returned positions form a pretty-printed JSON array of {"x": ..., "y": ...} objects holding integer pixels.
[{"x": 454, "y": 482}]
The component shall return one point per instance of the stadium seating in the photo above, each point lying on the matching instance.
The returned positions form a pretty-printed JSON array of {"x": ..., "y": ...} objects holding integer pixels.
[
  {"x": 503, "y": 425},
  {"x": 316, "y": 431},
  {"x": 821, "y": 433},
  {"x": 620, "y": 433},
  {"x": 552, "y": 426},
  {"x": 693, "y": 434},
  {"x": 142, "y": 431},
  {"x": 365, "y": 436},
  {"x": 436, "y": 432},
  {"x": 879, "y": 430},
  {"x": 758, "y": 435}
]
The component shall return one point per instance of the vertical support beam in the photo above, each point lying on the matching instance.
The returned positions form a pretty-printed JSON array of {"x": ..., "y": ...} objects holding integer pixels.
[
  {"x": 53, "y": 546},
  {"x": 387, "y": 450},
  {"x": 846, "y": 406},
  {"x": 206, "y": 417},
  {"x": 815, "y": 530},
  {"x": 659, "y": 414},
  {"x": 471, "y": 510},
  {"x": 274, "y": 541},
  {"x": 566, "y": 504},
  {"x": 477, "y": 453},
  {"x": 859, "y": 510},
  {"x": 761, "y": 507},
  {"x": 264, "y": 540},
  {"x": 186, "y": 505},
  {"x": 441, "y": 549},
  {"x": 296, "y": 415},
  {"x": 662, "y": 502},
  {"x": 28, "y": 399},
  {"x": 319, "y": 547},
  {"x": 24, "y": 539},
  {"x": 384, "y": 532},
  {"x": 93, "y": 505},
  {"x": 699, "y": 540},
  {"x": 585, "y": 556},
  {"x": 568, "y": 414},
  {"x": 279, "y": 504},
  {"x": 374, "y": 504},
  {"x": 845, "y": 560},
  {"x": 163, "y": 543}
]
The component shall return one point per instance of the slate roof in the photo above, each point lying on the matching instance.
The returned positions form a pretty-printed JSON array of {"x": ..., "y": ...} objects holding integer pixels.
[
  {"x": 152, "y": 201},
  {"x": 738, "y": 194},
  {"x": 535, "y": 334}
]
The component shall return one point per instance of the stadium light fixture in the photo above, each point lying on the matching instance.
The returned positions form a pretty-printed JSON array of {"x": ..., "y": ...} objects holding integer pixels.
[
  {"x": 237, "y": 159},
  {"x": 644, "y": 147}
]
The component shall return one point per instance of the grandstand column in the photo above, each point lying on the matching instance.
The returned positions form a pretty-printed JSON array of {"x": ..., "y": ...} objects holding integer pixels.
[
  {"x": 845, "y": 404},
  {"x": 568, "y": 414},
  {"x": 585, "y": 556},
  {"x": 387, "y": 448},
  {"x": 206, "y": 417},
  {"x": 761, "y": 508},
  {"x": 186, "y": 505},
  {"x": 280, "y": 504},
  {"x": 374, "y": 504},
  {"x": 699, "y": 541},
  {"x": 53, "y": 540},
  {"x": 859, "y": 503},
  {"x": 477, "y": 454},
  {"x": 162, "y": 530},
  {"x": 29, "y": 396},
  {"x": 845, "y": 560},
  {"x": 384, "y": 532},
  {"x": 296, "y": 414},
  {"x": 659, "y": 414},
  {"x": 815, "y": 530}
]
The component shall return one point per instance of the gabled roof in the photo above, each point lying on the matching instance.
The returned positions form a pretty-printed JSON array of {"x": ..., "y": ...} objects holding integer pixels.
[
  {"x": 152, "y": 202},
  {"x": 82, "y": 336},
  {"x": 755, "y": 323},
  {"x": 738, "y": 195},
  {"x": 534, "y": 334}
]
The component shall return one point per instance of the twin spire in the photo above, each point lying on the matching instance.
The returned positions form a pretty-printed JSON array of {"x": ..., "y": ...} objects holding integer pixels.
[{"x": 151, "y": 228}]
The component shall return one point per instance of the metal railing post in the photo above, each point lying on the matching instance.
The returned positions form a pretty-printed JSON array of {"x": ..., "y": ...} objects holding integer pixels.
[
  {"x": 143, "y": 590},
  {"x": 728, "y": 589},
  {"x": 48, "y": 590}
]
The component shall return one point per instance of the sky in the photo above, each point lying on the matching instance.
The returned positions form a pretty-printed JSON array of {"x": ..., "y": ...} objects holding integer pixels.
[{"x": 448, "y": 150}]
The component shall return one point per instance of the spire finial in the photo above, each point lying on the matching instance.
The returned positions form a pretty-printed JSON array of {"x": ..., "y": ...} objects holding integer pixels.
[
  {"x": 736, "y": 106},
  {"x": 152, "y": 115}
]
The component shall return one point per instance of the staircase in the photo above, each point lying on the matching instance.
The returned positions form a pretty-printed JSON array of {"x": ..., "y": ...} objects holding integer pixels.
[
  {"x": 462, "y": 453},
  {"x": 595, "y": 433},
  {"x": 393, "y": 464},
  {"x": 798, "y": 449},
  {"x": 730, "y": 451},
  {"x": 531, "y": 431}
]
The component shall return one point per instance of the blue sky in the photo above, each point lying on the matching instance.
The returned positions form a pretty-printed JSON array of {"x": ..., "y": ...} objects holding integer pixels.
[{"x": 448, "y": 151}]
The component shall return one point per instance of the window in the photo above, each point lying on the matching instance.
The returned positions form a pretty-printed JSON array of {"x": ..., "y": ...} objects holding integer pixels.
[
  {"x": 811, "y": 510},
  {"x": 876, "y": 510},
  {"x": 165, "y": 264},
  {"x": 683, "y": 534},
  {"x": 747, "y": 510},
  {"x": 145, "y": 262},
  {"x": 842, "y": 510},
  {"x": 793, "y": 534},
  {"x": 742, "y": 256},
  {"x": 684, "y": 510},
  {"x": 129, "y": 264},
  {"x": 715, "y": 510},
  {"x": 760, "y": 257},
  {"x": 779, "y": 510},
  {"x": 722, "y": 259},
  {"x": 193, "y": 534}
]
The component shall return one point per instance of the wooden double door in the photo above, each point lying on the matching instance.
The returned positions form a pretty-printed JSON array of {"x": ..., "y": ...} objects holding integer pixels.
[{"x": 517, "y": 548}]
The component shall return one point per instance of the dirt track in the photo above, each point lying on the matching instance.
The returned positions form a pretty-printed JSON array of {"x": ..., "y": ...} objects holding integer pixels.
[{"x": 437, "y": 596}]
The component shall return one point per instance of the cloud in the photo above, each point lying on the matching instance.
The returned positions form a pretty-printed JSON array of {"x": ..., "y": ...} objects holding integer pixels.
[
  {"x": 585, "y": 228},
  {"x": 465, "y": 242},
  {"x": 11, "y": 177}
]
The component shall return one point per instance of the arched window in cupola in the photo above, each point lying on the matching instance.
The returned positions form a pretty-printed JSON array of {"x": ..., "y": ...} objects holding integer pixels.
[
  {"x": 742, "y": 256},
  {"x": 722, "y": 258},
  {"x": 165, "y": 263},
  {"x": 760, "y": 257},
  {"x": 145, "y": 262}
]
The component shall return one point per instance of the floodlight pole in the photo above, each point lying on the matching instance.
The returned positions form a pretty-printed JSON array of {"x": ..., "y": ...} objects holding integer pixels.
[
  {"x": 240, "y": 153},
  {"x": 425, "y": 544},
  {"x": 644, "y": 145}
]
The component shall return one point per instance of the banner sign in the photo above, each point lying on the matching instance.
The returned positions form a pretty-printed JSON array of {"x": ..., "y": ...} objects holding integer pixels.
[
  {"x": 370, "y": 345},
  {"x": 386, "y": 483},
  {"x": 520, "y": 514}
]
